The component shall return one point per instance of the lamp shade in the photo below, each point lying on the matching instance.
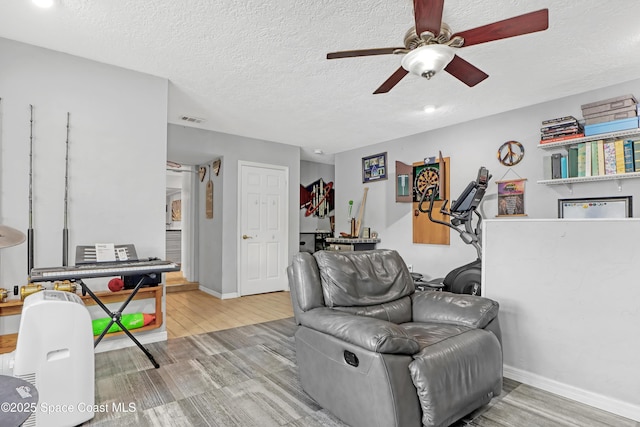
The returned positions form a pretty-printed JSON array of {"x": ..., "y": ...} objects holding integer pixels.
[
  {"x": 10, "y": 236},
  {"x": 426, "y": 61}
]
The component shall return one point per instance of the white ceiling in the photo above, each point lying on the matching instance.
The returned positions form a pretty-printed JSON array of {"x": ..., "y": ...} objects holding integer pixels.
[{"x": 258, "y": 68}]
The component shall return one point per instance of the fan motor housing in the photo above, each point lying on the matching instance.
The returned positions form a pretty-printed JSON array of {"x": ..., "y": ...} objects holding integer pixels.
[{"x": 412, "y": 40}]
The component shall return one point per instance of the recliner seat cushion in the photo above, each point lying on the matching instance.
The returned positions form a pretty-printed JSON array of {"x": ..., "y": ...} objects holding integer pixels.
[
  {"x": 398, "y": 311},
  {"x": 369, "y": 333},
  {"x": 363, "y": 278}
]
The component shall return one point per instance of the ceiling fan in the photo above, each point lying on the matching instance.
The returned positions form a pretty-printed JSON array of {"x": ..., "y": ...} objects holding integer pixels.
[{"x": 430, "y": 46}]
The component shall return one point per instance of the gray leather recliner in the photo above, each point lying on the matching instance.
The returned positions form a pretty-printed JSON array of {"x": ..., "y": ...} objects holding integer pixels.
[{"x": 374, "y": 352}]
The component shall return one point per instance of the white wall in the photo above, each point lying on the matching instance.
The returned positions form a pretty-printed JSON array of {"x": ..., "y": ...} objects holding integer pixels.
[
  {"x": 569, "y": 313},
  {"x": 470, "y": 145},
  {"x": 219, "y": 236},
  {"x": 117, "y": 155},
  {"x": 309, "y": 173}
]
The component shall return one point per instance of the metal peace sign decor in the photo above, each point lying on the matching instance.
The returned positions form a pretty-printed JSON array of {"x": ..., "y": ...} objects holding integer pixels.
[{"x": 510, "y": 153}]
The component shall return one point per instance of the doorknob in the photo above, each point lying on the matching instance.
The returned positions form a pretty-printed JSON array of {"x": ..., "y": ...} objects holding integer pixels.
[{"x": 245, "y": 237}]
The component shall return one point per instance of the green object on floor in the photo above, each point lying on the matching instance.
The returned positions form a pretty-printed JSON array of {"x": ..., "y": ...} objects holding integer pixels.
[{"x": 129, "y": 321}]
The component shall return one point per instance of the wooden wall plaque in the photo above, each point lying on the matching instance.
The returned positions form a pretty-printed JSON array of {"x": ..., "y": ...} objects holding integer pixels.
[{"x": 209, "y": 201}]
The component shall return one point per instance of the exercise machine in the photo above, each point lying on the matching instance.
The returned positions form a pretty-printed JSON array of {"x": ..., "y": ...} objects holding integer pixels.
[{"x": 465, "y": 279}]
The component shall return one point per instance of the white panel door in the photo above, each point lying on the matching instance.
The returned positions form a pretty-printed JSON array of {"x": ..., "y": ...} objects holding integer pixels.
[{"x": 263, "y": 228}]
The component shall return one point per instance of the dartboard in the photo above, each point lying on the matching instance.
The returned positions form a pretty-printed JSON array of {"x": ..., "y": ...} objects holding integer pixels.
[{"x": 424, "y": 179}]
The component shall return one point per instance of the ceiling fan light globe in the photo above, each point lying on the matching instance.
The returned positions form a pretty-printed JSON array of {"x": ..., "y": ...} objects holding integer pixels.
[{"x": 426, "y": 61}]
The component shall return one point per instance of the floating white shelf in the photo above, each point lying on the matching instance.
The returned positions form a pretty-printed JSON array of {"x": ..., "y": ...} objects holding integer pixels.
[{"x": 631, "y": 133}]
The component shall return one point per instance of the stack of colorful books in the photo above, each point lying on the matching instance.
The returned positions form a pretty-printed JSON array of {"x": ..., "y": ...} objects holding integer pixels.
[
  {"x": 560, "y": 129},
  {"x": 610, "y": 115}
]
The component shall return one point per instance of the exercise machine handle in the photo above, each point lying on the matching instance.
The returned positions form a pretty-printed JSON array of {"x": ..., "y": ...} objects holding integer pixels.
[{"x": 443, "y": 209}]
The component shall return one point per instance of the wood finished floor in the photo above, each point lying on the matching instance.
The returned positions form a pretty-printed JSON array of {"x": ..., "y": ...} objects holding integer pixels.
[
  {"x": 223, "y": 366},
  {"x": 247, "y": 376},
  {"x": 195, "y": 312}
]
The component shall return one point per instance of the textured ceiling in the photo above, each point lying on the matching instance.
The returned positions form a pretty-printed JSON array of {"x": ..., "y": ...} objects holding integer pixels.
[{"x": 258, "y": 68}]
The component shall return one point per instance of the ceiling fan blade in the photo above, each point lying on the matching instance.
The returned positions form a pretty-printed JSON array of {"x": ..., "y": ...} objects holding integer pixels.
[
  {"x": 465, "y": 72},
  {"x": 362, "y": 52},
  {"x": 516, "y": 26},
  {"x": 428, "y": 15},
  {"x": 392, "y": 81}
]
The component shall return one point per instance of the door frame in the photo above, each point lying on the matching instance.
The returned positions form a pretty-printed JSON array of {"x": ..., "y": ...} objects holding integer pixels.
[
  {"x": 189, "y": 240},
  {"x": 285, "y": 169},
  {"x": 190, "y": 229}
]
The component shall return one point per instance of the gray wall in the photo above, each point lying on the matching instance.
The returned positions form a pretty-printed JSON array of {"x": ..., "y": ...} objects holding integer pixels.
[
  {"x": 310, "y": 172},
  {"x": 563, "y": 330},
  {"x": 117, "y": 155},
  {"x": 469, "y": 145},
  {"x": 219, "y": 237}
]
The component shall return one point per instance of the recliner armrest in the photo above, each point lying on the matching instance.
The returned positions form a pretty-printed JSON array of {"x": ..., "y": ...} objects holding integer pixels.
[
  {"x": 459, "y": 309},
  {"x": 369, "y": 333}
]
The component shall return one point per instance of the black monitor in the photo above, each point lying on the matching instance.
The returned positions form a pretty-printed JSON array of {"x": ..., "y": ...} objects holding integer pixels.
[
  {"x": 464, "y": 203},
  {"x": 472, "y": 195}
]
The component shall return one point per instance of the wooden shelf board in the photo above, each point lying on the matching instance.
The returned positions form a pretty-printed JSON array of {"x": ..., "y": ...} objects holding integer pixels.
[
  {"x": 110, "y": 297},
  {"x": 8, "y": 343},
  {"x": 14, "y": 307},
  {"x": 10, "y": 308}
]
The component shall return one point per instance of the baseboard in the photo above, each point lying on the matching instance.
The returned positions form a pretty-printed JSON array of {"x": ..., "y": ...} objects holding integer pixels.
[
  {"x": 218, "y": 294},
  {"x": 124, "y": 341},
  {"x": 618, "y": 407}
]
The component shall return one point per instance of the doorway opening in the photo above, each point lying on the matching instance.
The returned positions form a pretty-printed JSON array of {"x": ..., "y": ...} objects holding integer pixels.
[{"x": 179, "y": 227}]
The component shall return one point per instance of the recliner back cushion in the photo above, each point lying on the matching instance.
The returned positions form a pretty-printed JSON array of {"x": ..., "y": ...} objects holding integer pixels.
[{"x": 363, "y": 278}]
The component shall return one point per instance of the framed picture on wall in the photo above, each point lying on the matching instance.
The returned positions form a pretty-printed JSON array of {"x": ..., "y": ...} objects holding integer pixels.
[
  {"x": 176, "y": 210},
  {"x": 511, "y": 197},
  {"x": 596, "y": 207},
  {"x": 374, "y": 168}
]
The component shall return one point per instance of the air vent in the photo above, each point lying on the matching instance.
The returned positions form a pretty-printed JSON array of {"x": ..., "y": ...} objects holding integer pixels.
[{"x": 191, "y": 119}]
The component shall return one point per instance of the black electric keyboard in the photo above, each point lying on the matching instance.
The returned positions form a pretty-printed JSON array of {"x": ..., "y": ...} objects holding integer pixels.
[{"x": 105, "y": 269}]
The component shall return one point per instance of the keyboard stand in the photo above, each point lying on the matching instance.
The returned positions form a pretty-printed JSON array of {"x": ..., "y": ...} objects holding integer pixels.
[
  {"x": 117, "y": 315},
  {"x": 144, "y": 269}
]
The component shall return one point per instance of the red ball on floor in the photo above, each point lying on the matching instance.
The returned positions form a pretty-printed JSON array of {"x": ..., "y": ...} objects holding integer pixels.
[{"x": 116, "y": 284}]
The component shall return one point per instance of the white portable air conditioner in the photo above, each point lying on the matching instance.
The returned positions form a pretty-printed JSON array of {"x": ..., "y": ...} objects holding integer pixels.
[{"x": 55, "y": 353}]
